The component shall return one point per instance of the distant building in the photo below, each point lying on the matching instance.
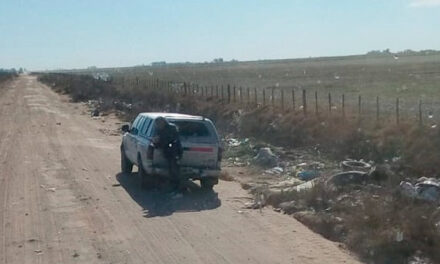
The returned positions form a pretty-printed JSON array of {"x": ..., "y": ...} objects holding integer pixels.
[
  {"x": 218, "y": 60},
  {"x": 158, "y": 63}
]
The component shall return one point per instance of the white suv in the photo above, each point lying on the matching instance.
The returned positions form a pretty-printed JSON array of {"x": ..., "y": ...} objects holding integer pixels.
[{"x": 202, "y": 152}]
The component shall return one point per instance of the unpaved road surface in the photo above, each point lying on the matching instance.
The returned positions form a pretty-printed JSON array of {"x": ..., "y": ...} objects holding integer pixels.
[{"x": 63, "y": 200}]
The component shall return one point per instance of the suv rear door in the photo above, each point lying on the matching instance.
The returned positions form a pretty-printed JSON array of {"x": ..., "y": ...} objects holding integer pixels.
[{"x": 199, "y": 141}]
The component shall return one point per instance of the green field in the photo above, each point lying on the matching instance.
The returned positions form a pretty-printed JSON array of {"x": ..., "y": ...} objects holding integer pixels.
[{"x": 409, "y": 77}]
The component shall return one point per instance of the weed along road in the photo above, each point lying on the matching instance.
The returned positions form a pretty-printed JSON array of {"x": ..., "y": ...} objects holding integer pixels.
[{"x": 64, "y": 200}]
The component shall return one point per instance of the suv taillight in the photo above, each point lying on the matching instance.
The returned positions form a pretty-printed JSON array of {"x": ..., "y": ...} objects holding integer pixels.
[
  {"x": 220, "y": 154},
  {"x": 150, "y": 152}
]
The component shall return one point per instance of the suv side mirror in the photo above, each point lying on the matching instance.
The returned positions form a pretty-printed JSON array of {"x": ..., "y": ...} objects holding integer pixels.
[
  {"x": 125, "y": 128},
  {"x": 134, "y": 131}
]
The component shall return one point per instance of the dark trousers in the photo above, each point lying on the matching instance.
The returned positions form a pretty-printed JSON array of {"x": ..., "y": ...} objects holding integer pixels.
[{"x": 174, "y": 171}]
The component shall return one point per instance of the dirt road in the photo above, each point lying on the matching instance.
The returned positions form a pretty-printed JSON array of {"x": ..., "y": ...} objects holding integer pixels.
[{"x": 63, "y": 200}]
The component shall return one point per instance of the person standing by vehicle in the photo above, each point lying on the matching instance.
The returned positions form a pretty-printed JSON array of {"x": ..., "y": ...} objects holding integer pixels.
[{"x": 167, "y": 139}]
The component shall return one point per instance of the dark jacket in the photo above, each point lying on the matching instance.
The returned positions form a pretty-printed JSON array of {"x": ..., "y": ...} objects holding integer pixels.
[{"x": 169, "y": 141}]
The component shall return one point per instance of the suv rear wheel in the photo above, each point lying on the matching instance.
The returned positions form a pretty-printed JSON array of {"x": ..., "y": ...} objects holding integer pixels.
[
  {"x": 126, "y": 165},
  {"x": 208, "y": 183},
  {"x": 146, "y": 180}
]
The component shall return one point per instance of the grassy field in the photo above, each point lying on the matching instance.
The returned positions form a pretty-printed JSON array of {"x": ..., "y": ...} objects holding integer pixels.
[{"x": 409, "y": 77}]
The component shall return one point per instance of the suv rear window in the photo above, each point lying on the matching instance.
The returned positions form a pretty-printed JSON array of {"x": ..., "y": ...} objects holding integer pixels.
[{"x": 191, "y": 128}]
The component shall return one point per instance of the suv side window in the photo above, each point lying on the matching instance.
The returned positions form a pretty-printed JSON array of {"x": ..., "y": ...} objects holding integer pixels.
[
  {"x": 134, "y": 129},
  {"x": 140, "y": 124},
  {"x": 145, "y": 127},
  {"x": 150, "y": 129}
]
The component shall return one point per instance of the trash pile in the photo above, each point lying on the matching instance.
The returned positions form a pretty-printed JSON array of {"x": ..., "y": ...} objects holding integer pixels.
[
  {"x": 94, "y": 106},
  {"x": 427, "y": 189},
  {"x": 266, "y": 158}
]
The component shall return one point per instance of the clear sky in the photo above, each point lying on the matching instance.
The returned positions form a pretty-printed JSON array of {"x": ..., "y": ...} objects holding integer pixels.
[{"x": 49, "y": 34}]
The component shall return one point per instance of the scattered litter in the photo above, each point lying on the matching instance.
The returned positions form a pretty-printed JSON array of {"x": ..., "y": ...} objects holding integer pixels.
[
  {"x": 233, "y": 142},
  {"x": 308, "y": 175},
  {"x": 399, "y": 236},
  {"x": 274, "y": 170},
  {"x": 355, "y": 165},
  {"x": 116, "y": 184},
  {"x": 94, "y": 113},
  {"x": 51, "y": 189},
  {"x": 305, "y": 186},
  {"x": 38, "y": 251},
  {"x": 427, "y": 189},
  {"x": 265, "y": 157},
  {"x": 348, "y": 177},
  {"x": 240, "y": 212},
  {"x": 75, "y": 255},
  {"x": 58, "y": 123},
  {"x": 251, "y": 205},
  {"x": 287, "y": 184}
]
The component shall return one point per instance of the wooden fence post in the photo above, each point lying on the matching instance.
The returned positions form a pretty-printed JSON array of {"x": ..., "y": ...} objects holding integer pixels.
[
  {"x": 223, "y": 93},
  {"x": 343, "y": 106},
  {"x": 216, "y": 91},
  {"x": 273, "y": 97},
  {"x": 329, "y": 103},
  {"x": 212, "y": 90},
  {"x": 397, "y": 110},
  {"x": 229, "y": 93},
  {"x": 264, "y": 96},
  {"x": 304, "y": 97},
  {"x": 293, "y": 99},
  {"x": 241, "y": 95},
  {"x": 359, "y": 106},
  {"x": 420, "y": 113},
  {"x": 234, "y": 94},
  {"x": 185, "y": 89},
  {"x": 316, "y": 102},
  {"x": 203, "y": 91},
  {"x": 248, "y": 95},
  {"x": 256, "y": 95},
  {"x": 377, "y": 109},
  {"x": 282, "y": 100}
]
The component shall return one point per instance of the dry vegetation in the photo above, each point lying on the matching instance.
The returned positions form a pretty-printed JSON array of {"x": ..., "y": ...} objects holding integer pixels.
[
  {"x": 372, "y": 219},
  {"x": 6, "y": 77}
]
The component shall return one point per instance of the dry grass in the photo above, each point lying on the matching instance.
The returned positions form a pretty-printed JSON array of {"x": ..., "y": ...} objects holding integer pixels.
[{"x": 4, "y": 77}]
